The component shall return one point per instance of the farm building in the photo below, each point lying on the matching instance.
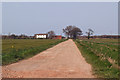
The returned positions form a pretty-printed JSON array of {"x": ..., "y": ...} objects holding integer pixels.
[
  {"x": 41, "y": 36},
  {"x": 57, "y": 37}
]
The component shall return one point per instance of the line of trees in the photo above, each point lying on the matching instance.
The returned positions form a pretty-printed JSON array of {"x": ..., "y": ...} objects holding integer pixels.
[
  {"x": 73, "y": 32},
  {"x": 70, "y": 31},
  {"x": 13, "y": 36}
]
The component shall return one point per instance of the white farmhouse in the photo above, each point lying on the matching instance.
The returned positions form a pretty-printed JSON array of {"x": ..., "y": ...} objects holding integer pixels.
[{"x": 41, "y": 36}]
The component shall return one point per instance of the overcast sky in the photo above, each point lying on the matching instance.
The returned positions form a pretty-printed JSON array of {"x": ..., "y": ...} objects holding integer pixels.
[{"x": 37, "y": 17}]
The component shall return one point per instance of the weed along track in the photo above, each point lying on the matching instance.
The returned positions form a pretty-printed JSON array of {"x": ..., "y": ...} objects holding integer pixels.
[
  {"x": 102, "y": 54},
  {"x": 61, "y": 61}
]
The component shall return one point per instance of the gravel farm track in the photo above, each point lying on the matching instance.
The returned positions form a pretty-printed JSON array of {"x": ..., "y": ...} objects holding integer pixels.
[{"x": 61, "y": 61}]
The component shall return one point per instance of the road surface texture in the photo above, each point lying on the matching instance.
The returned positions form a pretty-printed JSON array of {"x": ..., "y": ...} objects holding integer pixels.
[{"x": 61, "y": 61}]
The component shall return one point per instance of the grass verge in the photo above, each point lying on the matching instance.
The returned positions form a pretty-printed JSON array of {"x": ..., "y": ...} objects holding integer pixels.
[{"x": 102, "y": 68}]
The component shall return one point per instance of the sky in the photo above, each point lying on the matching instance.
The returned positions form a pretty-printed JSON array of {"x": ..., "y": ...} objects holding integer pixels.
[
  {"x": 40, "y": 17},
  {"x": 60, "y": 0}
]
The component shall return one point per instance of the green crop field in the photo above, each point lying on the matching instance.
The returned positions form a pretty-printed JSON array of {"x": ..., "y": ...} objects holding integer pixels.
[
  {"x": 14, "y": 50},
  {"x": 102, "y": 54}
]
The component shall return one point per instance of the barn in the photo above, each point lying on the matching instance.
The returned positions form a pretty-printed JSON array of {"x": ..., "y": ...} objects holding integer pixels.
[
  {"x": 57, "y": 37},
  {"x": 41, "y": 36}
]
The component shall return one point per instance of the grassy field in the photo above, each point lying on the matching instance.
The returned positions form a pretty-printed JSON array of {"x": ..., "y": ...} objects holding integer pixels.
[
  {"x": 102, "y": 54},
  {"x": 14, "y": 50}
]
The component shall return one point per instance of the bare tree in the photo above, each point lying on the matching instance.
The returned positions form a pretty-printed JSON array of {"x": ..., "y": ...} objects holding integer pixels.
[
  {"x": 72, "y": 31},
  {"x": 89, "y": 33},
  {"x": 67, "y": 31},
  {"x": 51, "y": 34}
]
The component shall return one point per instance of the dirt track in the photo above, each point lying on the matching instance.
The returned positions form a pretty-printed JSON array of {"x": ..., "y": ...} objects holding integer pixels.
[{"x": 61, "y": 61}]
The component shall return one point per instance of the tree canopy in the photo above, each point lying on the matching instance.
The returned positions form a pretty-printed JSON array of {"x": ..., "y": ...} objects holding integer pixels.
[
  {"x": 51, "y": 34},
  {"x": 89, "y": 33},
  {"x": 72, "y": 31}
]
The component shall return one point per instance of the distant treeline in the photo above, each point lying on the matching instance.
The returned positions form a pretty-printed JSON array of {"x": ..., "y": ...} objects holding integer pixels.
[
  {"x": 102, "y": 36},
  {"x": 13, "y": 36},
  {"x": 22, "y": 36}
]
